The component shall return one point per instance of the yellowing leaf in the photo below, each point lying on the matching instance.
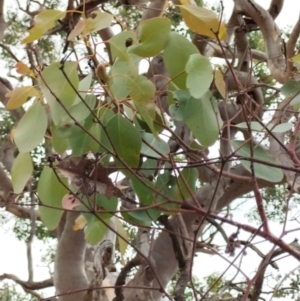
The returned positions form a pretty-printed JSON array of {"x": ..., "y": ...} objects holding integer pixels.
[
  {"x": 21, "y": 68},
  {"x": 202, "y": 21},
  {"x": 220, "y": 83},
  {"x": 296, "y": 61},
  {"x": 43, "y": 21},
  {"x": 34, "y": 34},
  {"x": 223, "y": 32},
  {"x": 79, "y": 223},
  {"x": 100, "y": 21},
  {"x": 186, "y": 2},
  {"x": 77, "y": 30},
  {"x": 19, "y": 96},
  {"x": 296, "y": 58}
]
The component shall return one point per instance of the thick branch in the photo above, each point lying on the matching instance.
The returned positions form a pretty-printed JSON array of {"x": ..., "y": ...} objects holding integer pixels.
[
  {"x": 291, "y": 44},
  {"x": 283, "y": 113},
  {"x": 271, "y": 35},
  {"x": 69, "y": 274},
  {"x": 275, "y": 8},
  {"x": 30, "y": 285}
]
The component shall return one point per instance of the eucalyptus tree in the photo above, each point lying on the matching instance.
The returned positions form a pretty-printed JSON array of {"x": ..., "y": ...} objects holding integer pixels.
[{"x": 91, "y": 146}]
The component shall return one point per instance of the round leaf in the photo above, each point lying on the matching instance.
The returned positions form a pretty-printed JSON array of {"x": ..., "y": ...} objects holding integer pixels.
[
  {"x": 120, "y": 42},
  {"x": 153, "y": 36},
  {"x": 199, "y": 75},
  {"x": 176, "y": 54}
]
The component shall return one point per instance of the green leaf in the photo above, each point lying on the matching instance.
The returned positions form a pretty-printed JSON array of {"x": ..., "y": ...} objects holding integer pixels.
[
  {"x": 199, "y": 75},
  {"x": 153, "y": 35},
  {"x": 79, "y": 144},
  {"x": 126, "y": 140},
  {"x": 120, "y": 43},
  {"x": 177, "y": 110},
  {"x": 142, "y": 188},
  {"x": 149, "y": 167},
  {"x": 94, "y": 230},
  {"x": 292, "y": 89},
  {"x": 166, "y": 184},
  {"x": 83, "y": 88},
  {"x": 148, "y": 114},
  {"x": 142, "y": 89},
  {"x": 21, "y": 172},
  {"x": 187, "y": 183},
  {"x": 81, "y": 110},
  {"x": 102, "y": 144},
  {"x": 79, "y": 140},
  {"x": 149, "y": 215},
  {"x": 262, "y": 171},
  {"x": 59, "y": 88},
  {"x": 68, "y": 130},
  {"x": 202, "y": 117},
  {"x": 176, "y": 55},
  {"x": 257, "y": 127},
  {"x": 151, "y": 144},
  {"x": 31, "y": 128},
  {"x": 50, "y": 192},
  {"x": 141, "y": 217},
  {"x": 106, "y": 204},
  {"x": 59, "y": 144},
  {"x": 119, "y": 81}
]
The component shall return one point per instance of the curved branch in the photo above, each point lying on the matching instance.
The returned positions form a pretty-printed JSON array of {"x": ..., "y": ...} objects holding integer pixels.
[
  {"x": 262, "y": 270},
  {"x": 28, "y": 285},
  {"x": 291, "y": 44},
  {"x": 283, "y": 113},
  {"x": 271, "y": 35},
  {"x": 275, "y": 8},
  {"x": 69, "y": 274}
]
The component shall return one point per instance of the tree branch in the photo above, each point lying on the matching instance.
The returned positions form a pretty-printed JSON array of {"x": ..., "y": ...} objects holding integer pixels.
[{"x": 28, "y": 285}]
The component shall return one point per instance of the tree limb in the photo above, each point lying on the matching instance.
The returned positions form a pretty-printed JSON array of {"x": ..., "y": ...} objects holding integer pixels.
[{"x": 29, "y": 285}]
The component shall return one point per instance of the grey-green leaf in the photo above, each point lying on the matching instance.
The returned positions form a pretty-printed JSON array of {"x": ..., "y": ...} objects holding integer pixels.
[
  {"x": 262, "y": 171},
  {"x": 31, "y": 128},
  {"x": 21, "y": 171},
  {"x": 199, "y": 74},
  {"x": 202, "y": 117}
]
